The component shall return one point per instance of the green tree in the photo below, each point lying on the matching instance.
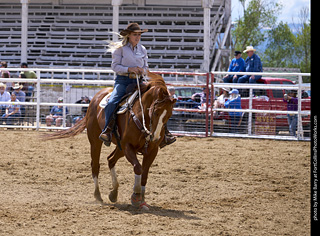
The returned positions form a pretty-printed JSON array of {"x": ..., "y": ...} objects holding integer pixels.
[
  {"x": 258, "y": 15},
  {"x": 303, "y": 41},
  {"x": 280, "y": 50},
  {"x": 290, "y": 47}
]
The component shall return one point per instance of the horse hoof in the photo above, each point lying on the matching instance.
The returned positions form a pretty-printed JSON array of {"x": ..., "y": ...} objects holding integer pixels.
[
  {"x": 113, "y": 196},
  {"x": 144, "y": 206},
  {"x": 136, "y": 200},
  {"x": 97, "y": 196}
]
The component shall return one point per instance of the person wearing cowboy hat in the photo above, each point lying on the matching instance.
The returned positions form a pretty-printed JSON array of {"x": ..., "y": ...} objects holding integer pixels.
[
  {"x": 236, "y": 65},
  {"x": 129, "y": 58},
  {"x": 17, "y": 88},
  {"x": 21, "y": 96},
  {"x": 252, "y": 64}
]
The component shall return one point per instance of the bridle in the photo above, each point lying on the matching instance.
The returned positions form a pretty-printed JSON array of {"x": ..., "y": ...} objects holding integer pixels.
[{"x": 142, "y": 127}]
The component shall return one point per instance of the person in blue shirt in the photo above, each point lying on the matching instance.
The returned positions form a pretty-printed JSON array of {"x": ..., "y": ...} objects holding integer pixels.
[
  {"x": 252, "y": 64},
  {"x": 12, "y": 111},
  {"x": 234, "y": 102},
  {"x": 56, "y": 114},
  {"x": 236, "y": 65}
]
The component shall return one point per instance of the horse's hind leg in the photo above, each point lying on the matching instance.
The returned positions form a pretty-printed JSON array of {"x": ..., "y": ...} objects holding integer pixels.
[
  {"x": 95, "y": 145},
  {"x": 95, "y": 166},
  {"x": 112, "y": 160}
]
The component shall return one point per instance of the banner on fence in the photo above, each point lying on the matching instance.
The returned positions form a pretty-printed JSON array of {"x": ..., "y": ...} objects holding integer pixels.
[{"x": 265, "y": 124}]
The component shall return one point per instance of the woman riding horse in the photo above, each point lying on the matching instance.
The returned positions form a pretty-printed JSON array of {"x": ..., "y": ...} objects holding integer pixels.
[
  {"x": 129, "y": 59},
  {"x": 153, "y": 110}
]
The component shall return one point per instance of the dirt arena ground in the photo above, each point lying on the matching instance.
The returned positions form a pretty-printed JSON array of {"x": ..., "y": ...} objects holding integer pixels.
[{"x": 213, "y": 186}]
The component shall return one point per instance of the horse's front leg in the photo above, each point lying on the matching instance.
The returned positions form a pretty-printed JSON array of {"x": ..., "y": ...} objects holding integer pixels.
[
  {"x": 131, "y": 156},
  {"x": 146, "y": 163}
]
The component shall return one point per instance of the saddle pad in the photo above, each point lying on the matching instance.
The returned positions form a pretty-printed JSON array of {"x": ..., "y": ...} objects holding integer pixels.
[
  {"x": 123, "y": 107},
  {"x": 104, "y": 101}
]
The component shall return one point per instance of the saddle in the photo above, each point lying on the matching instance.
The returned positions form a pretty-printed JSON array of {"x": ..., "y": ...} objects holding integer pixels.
[
  {"x": 125, "y": 103},
  {"x": 127, "y": 100}
]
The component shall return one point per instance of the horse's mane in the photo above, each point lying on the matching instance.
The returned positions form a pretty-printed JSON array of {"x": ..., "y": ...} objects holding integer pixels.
[{"x": 157, "y": 81}]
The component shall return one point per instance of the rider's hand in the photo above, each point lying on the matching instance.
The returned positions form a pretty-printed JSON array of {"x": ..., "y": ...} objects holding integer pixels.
[{"x": 136, "y": 70}]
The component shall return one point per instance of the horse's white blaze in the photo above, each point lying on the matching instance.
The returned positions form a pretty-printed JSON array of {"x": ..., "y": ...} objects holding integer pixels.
[
  {"x": 114, "y": 179},
  {"x": 156, "y": 135}
]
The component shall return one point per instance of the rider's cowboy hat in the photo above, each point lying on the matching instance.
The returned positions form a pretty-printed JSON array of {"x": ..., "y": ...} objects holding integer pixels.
[
  {"x": 17, "y": 86},
  {"x": 132, "y": 27},
  {"x": 249, "y": 48}
]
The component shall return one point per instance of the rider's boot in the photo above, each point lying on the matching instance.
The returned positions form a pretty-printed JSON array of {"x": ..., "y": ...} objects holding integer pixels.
[
  {"x": 168, "y": 138},
  {"x": 106, "y": 136}
]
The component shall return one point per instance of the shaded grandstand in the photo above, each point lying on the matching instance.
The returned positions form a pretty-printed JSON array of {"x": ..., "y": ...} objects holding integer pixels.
[{"x": 64, "y": 34}]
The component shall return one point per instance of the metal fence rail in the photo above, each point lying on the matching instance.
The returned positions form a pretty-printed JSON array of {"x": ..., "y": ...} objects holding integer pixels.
[{"x": 255, "y": 123}]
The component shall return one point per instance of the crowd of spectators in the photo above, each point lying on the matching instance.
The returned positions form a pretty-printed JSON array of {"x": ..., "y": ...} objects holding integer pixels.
[
  {"x": 24, "y": 92},
  {"x": 14, "y": 92},
  {"x": 232, "y": 99}
]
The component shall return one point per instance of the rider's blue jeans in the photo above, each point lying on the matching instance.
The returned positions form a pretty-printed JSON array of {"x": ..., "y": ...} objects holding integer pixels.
[{"x": 119, "y": 90}]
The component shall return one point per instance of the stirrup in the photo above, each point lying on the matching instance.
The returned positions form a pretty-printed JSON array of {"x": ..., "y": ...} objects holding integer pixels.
[
  {"x": 168, "y": 139},
  {"x": 106, "y": 138}
]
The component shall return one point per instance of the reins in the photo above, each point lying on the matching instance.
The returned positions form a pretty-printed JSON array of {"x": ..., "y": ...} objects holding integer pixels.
[
  {"x": 142, "y": 127},
  {"x": 147, "y": 132}
]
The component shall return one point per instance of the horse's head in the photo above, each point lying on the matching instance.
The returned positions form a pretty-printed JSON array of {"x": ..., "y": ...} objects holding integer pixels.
[{"x": 161, "y": 108}]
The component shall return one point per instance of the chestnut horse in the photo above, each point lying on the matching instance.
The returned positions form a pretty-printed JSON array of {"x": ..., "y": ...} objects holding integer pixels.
[{"x": 157, "y": 109}]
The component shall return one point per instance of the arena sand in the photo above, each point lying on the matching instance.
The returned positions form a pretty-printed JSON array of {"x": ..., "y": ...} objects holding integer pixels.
[{"x": 212, "y": 186}]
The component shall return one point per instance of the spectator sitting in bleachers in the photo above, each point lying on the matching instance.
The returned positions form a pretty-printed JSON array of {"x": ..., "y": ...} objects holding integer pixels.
[
  {"x": 6, "y": 74},
  {"x": 191, "y": 103},
  {"x": 28, "y": 87},
  {"x": 219, "y": 102},
  {"x": 56, "y": 114},
  {"x": 234, "y": 103},
  {"x": 252, "y": 64},
  {"x": 203, "y": 98},
  {"x": 83, "y": 100},
  {"x": 21, "y": 96},
  {"x": 4, "y": 64},
  {"x": 236, "y": 65},
  {"x": 12, "y": 111},
  {"x": 4, "y": 97},
  {"x": 172, "y": 92}
]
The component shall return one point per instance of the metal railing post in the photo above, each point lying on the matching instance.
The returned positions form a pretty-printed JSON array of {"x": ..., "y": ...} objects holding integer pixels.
[
  {"x": 207, "y": 104},
  {"x": 300, "y": 126},
  {"x": 38, "y": 122},
  {"x": 212, "y": 97},
  {"x": 250, "y": 113}
]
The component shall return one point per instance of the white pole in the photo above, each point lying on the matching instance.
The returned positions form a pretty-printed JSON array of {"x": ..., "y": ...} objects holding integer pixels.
[
  {"x": 206, "y": 4},
  {"x": 250, "y": 113},
  {"x": 299, "y": 125},
  {"x": 115, "y": 18},
  {"x": 24, "y": 30},
  {"x": 38, "y": 101}
]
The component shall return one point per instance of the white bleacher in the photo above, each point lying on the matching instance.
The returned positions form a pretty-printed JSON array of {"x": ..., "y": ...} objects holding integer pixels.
[{"x": 74, "y": 35}]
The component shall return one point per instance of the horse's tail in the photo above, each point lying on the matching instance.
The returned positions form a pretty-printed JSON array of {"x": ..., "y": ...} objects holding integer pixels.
[{"x": 73, "y": 131}]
